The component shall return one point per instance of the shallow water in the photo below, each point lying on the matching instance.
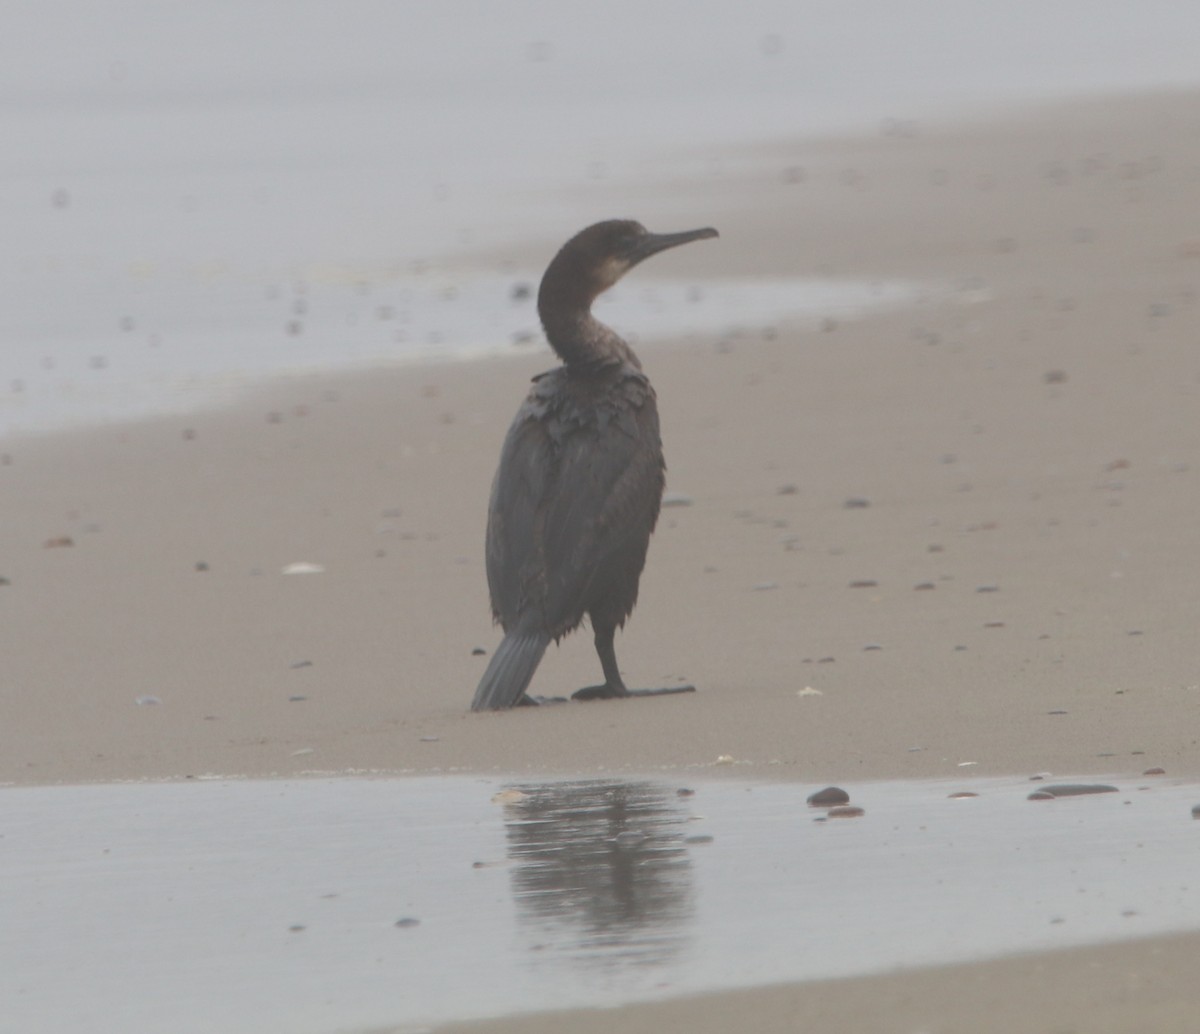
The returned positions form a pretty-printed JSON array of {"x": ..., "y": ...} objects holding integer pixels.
[
  {"x": 195, "y": 343},
  {"x": 288, "y": 906}
]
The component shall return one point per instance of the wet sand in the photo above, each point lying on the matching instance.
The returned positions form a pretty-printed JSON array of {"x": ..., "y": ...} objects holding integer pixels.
[
  {"x": 1108, "y": 989},
  {"x": 1017, "y": 595}
]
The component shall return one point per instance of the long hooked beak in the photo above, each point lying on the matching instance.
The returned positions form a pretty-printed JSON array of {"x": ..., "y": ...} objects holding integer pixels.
[{"x": 653, "y": 243}]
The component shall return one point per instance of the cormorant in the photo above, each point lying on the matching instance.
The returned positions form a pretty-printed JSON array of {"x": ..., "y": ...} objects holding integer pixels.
[{"x": 581, "y": 476}]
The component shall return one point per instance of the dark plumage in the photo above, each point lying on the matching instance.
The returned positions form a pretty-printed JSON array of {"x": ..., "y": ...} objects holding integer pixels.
[{"x": 581, "y": 476}]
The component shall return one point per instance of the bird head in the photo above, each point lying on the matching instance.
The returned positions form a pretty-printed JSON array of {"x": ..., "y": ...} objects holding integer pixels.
[{"x": 597, "y": 257}]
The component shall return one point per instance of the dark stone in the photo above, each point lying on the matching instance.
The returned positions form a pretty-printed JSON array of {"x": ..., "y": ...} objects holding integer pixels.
[
  {"x": 828, "y": 798},
  {"x": 1070, "y": 790}
]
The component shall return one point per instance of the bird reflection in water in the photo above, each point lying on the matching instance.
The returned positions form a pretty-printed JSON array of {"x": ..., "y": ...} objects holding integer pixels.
[{"x": 601, "y": 874}]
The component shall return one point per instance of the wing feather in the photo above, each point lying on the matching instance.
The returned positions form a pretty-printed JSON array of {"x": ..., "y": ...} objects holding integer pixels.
[{"x": 574, "y": 501}]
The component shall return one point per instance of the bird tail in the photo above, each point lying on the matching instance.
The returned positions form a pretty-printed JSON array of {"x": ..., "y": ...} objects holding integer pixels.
[{"x": 509, "y": 672}]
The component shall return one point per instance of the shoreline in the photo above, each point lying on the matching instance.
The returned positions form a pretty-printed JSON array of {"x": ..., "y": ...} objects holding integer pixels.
[{"x": 1015, "y": 596}]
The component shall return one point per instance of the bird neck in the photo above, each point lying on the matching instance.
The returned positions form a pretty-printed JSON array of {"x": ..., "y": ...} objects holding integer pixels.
[{"x": 582, "y": 341}]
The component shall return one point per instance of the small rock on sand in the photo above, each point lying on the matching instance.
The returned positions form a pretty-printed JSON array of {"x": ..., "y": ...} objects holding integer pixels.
[
  {"x": 1070, "y": 790},
  {"x": 303, "y": 567},
  {"x": 828, "y": 798}
]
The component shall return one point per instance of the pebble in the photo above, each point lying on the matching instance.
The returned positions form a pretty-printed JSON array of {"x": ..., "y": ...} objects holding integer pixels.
[
  {"x": 61, "y": 542},
  {"x": 1155, "y": 771},
  {"x": 479, "y": 651},
  {"x": 508, "y": 797},
  {"x": 856, "y": 503},
  {"x": 845, "y": 812},
  {"x": 302, "y": 567},
  {"x": 407, "y": 922},
  {"x": 864, "y": 583},
  {"x": 962, "y": 795},
  {"x": 1070, "y": 790},
  {"x": 828, "y": 798}
]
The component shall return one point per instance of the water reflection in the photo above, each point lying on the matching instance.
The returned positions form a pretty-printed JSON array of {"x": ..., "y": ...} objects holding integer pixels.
[{"x": 601, "y": 875}]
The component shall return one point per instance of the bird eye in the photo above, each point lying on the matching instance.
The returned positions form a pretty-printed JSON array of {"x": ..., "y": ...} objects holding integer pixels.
[{"x": 628, "y": 240}]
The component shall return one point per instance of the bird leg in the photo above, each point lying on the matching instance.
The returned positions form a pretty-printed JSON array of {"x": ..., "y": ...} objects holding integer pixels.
[{"x": 614, "y": 686}]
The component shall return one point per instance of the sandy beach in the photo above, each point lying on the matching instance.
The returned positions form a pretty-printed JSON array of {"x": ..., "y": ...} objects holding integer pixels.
[{"x": 967, "y": 524}]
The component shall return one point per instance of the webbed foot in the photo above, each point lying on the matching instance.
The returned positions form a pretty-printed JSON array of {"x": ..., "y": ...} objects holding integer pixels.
[{"x": 611, "y": 692}]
